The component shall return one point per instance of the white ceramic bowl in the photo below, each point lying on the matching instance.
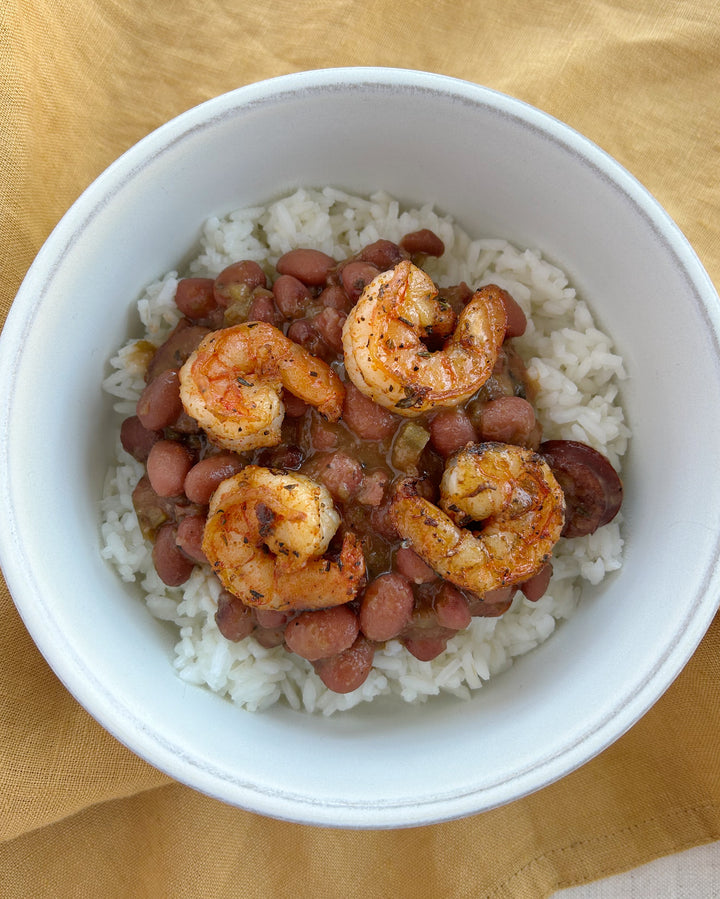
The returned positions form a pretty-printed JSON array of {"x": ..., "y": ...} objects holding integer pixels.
[{"x": 501, "y": 168}]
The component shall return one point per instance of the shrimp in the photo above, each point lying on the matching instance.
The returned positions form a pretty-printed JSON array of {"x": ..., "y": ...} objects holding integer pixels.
[
  {"x": 231, "y": 384},
  {"x": 511, "y": 490},
  {"x": 385, "y": 356},
  {"x": 266, "y": 535}
]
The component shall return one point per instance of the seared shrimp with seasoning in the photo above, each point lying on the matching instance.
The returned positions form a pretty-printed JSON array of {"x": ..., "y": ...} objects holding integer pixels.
[
  {"x": 511, "y": 490},
  {"x": 386, "y": 358},
  {"x": 231, "y": 385},
  {"x": 266, "y": 537}
]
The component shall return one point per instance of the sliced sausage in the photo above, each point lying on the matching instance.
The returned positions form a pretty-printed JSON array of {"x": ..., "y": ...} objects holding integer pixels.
[{"x": 593, "y": 489}]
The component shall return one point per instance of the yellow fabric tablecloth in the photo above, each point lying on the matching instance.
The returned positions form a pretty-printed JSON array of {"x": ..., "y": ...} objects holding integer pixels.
[{"x": 82, "y": 80}]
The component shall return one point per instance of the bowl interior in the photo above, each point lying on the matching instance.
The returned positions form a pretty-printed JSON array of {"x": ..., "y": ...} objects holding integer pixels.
[{"x": 502, "y": 169}]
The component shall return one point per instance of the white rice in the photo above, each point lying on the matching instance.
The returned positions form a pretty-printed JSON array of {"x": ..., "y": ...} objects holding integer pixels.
[{"x": 579, "y": 377}]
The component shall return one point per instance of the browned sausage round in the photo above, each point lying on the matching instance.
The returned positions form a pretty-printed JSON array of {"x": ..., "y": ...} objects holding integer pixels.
[
  {"x": 291, "y": 295},
  {"x": 203, "y": 478},
  {"x": 349, "y": 669},
  {"x": 233, "y": 618},
  {"x": 309, "y": 266},
  {"x": 160, "y": 404},
  {"x": 195, "y": 297},
  {"x": 137, "y": 439},
  {"x": 171, "y": 563},
  {"x": 318, "y": 635},
  {"x": 356, "y": 275},
  {"x": 507, "y": 419},
  {"x": 593, "y": 489},
  {"x": 451, "y": 430},
  {"x": 189, "y": 537},
  {"x": 237, "y": 281},
  {"x": 167, "y": 466},
  {"x": 424, "y": 242},
  {"x": 386, "y": 607},
  {"x": 366, "y": 418}
]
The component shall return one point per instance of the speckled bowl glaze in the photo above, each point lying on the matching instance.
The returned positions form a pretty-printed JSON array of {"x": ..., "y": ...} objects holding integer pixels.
[{"x": 501, "y": 168}]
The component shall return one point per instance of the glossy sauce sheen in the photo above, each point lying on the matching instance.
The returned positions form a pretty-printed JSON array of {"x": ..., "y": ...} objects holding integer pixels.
[{"x": 357, "y": 458}]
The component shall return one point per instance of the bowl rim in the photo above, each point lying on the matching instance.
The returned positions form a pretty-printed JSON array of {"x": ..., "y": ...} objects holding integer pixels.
[{"x": 137, "y": 734}]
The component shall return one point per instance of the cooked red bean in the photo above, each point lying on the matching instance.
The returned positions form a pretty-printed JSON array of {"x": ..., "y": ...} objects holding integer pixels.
[
  {"x": 181, "y": 342},
  {"x": 137, "y": 439},
  {"x": 272, "y": 617},
  {"x": 366, "y": 418},
  {"x": 171, "y": 563},
  {"x": 167, "y": 467},
  {"x": 151, "y": 510},
  {"x": 302, "y": 331},
  {"x": 372, "y": 488},
  {"x": 329, "y": 323},
  {"x": 309, "y": 266},
  {"x": 324, "y": 435},
  {"x": 457, "y": 296},
  {"x": 236, "y": 282},
  {"x": 339, "y": 472},
  {"x": 386, "y": 607},
  {"x": 189, "y": 536},
  {"x": 160, "y": 404},
  {"x": 286, "y": 455},
  {"x": 516, "y": 318},
  {"x": 294, "y": 406},
  {"x": 425, "y": 242},
  {"x": 383, "y": 254},
  {"x": 425, "y": 648},
  {"x": 451, "y": 430},
  {"x": 291, "y": 296},
  {"x": 593, "y": 489},
  {"x": 355, "y": 276},
  {"x": 263, "y": 308},
  {"x": 195, "y": 297},
  {"x": 349, "y": 669},
  {"x": 234, "y": 619},
  {"x": 508, "y": 419},
  {"x": 536, "y": 586},
  {"x": 318, "y": 635},
  {"x": 334, "y": 297},
  {"x": 452, "y": 608},
  {"x": 409, "y": 564},
  {"x": 203, "y": 478},
  {"x": 269, "y": 637},
  {"x": 494, "y": 604}
]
